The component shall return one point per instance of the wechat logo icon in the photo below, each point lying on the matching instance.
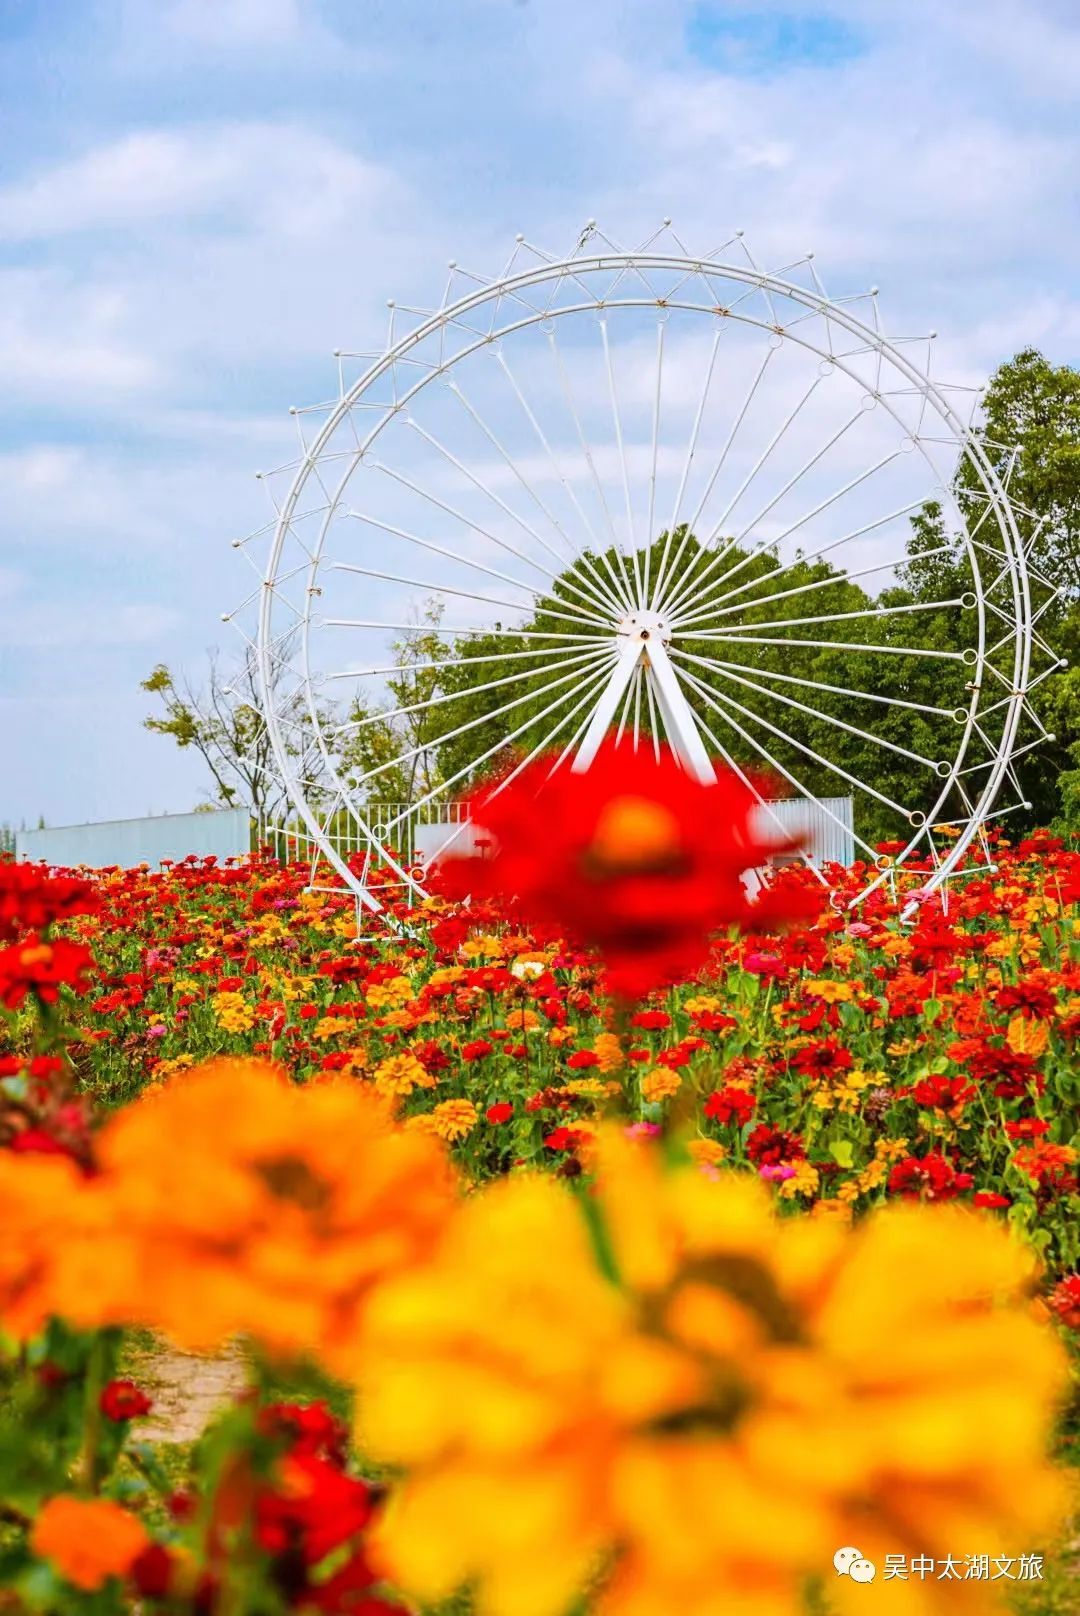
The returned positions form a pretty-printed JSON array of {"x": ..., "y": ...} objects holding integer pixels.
[{"x": 850, "y": 1563}]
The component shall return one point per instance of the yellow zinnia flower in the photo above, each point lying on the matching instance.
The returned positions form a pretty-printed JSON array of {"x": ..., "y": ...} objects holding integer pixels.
[
  {"x": 744, "y": 1395},
  {"x": 398, "y": 1075}
]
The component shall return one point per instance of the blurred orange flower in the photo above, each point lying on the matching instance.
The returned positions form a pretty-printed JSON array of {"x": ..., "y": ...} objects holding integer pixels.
[
  {"x": 244, "y": 1204},
  {"x": 88, "y": 1540}
]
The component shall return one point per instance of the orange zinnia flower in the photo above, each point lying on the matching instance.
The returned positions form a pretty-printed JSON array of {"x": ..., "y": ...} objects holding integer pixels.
[
  {"x": 88, "y": 1540},
  {"x": 244, "y": 1204}
]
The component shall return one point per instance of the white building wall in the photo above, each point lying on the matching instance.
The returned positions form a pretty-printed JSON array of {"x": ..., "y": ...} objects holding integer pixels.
[{"x": 222, "y": 832}]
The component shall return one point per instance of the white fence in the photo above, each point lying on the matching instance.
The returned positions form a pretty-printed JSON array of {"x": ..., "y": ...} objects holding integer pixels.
[
  {"x": 220, "y": 832},
  {"x": 824, "y": 827}
]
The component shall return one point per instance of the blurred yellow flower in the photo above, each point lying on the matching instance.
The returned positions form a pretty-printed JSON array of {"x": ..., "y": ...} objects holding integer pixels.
[
  {"x": 706, "y": 1152},
  {"x": 453, "y": 1119},
  {"x": 660, "y": 1084},
  {"x": 232, "y": 1012},
  {"x": 389, "y": 995},
  {"x": 331, "y": 1027},
  {"x": 398, "y": 1075},
  {"x": 744, "y": 1396},
  {"x": 1026, "y": 1035},
  {"x": 608, "y": 1047},
  {"x": 828, "y": 991}
]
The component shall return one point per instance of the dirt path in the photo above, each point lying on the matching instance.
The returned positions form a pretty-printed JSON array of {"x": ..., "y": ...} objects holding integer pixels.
[{"x": 187, "y": 1391}]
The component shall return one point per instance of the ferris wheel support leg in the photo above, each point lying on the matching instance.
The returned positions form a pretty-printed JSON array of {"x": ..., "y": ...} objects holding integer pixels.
[
  {"x": 607, "y": 706},
  {"x": 680, "y": 725}
]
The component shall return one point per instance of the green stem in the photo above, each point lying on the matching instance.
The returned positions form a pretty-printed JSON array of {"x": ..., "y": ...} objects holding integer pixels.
[{"x": 98, "y": 1370}]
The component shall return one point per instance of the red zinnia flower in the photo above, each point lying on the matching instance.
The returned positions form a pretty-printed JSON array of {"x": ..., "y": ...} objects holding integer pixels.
[
  {"x": 927, "y": 1178},
  {"x": 502, "y": 1111},
  {"x": 651, "y": 1020},
  {"x": 31, "y": 899},
  {"x": 122, "y": 1400},
  {"x": 769, "y": 1146},
  {"x": 1064, "y": 1300},
  {"x": 42, "y": 969},
  {"x": 730, "y": 1104},
  {"x": 634, "y": 855}
]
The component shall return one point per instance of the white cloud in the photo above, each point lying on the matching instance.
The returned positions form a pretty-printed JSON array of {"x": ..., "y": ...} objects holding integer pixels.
[
  {"x": 280, "y": 178},
  {"x": 69, "y": 625},
  {"x": 234, "y": 22},
  {"x": 60, "y": 337}
]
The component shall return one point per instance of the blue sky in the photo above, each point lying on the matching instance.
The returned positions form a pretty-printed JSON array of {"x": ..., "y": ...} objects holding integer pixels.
[{"x": 200, "y": 199}]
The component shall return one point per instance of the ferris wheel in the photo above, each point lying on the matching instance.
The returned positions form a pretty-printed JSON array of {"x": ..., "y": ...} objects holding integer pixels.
[{"x": 680, "y": 498}]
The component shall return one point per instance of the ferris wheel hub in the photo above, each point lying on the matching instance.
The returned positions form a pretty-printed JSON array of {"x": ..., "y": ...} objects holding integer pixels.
[{"x": 645, "y": 625}]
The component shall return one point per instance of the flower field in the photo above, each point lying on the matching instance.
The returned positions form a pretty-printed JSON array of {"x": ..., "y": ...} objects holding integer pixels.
[{"x": 661, "y": 1269}]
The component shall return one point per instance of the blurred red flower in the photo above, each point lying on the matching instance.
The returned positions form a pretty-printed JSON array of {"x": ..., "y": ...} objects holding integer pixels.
[
  {"x": 633, "y": 855},
  {"x": 122, "y": 1400},
  {"x": 31, "y": 899},
  {"x": 730, "y": 1104},
  {"x": 42, "y": 969}
]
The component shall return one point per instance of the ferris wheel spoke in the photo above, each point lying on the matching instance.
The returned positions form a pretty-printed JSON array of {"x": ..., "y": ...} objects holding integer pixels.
[
  {"x": 815, "y": 712},
  {"x": 794, "y": 527},
  {"x": 763, "y": 457},
  {"x": 720, "y": 705},
  {"x": 450, "y": 555},
  {"x": 877, "y": 612},
  {"x": 489, "y": 493},
  {"x": 568, "y": 489},
  {"x": 500, "y": 657},
  {"x": 626, "y": 587},
  {"x": 691, "y": 450},
  {"x": 733, "y": 432},
  {"x": 504, "y": 741},
  {"x": 467, "y": 693},
  {"x": 726, "y": 610},
  {"x": 757, "y": 550},
  {"x": 660, "y": 326},
  {"x": 486, "y": 630},
  {"x": 627, "y": 703},
  {"x": 458, "y": 695},
  {"x": 617, "y": 421},
  {"x": 716, "y": 587},
  {"x": 486, "y": 718},
  {"x": 819, "y": 684},
  {"x": 545, "y": 744},
  {"x": 705, "y": 692},
  {"x": 729, "y": 638},
  {"x": 470, "y": 594},
  {"x": 466, "y": 521},
  {"x": 604, "y": 599},
  {"x": 777, "y": 767}
]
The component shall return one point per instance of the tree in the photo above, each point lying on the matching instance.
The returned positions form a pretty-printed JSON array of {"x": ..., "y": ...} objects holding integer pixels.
[
  {"x": 1031, "y": 433},
  {"x": 223, "y": 722},
  {"x": 395, "y": 743}
]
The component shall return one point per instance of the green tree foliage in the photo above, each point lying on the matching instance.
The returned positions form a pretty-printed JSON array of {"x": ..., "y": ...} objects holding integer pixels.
[
  {"x": 1031, "y": 434},
  {"x": 395, "y": 742}
]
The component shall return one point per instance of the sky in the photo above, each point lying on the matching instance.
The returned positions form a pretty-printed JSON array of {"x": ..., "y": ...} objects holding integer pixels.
[{"x": 201, "y": 199}]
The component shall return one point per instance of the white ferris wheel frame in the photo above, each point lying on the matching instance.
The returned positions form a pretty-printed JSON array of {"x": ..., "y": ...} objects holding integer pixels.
[{"x": 642, "y": 652}]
